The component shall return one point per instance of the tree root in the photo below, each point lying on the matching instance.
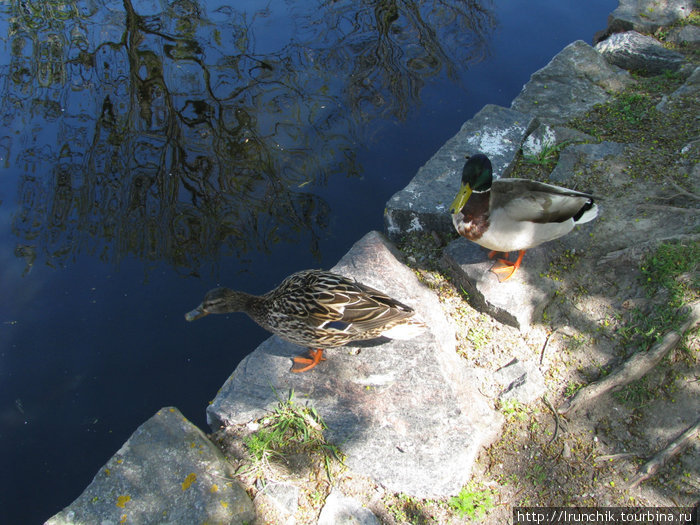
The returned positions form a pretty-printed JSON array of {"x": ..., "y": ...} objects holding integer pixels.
[
  {"x": 635, "y": 252},
  {"x": 616, "y": 457},
  {"x": 636, "y": 366},
  {"x": 674, "y": 209},
  {"x": 557, "y": 421},
  {"x": 682, "y": 191},
  {"x": 662, "y": 457}
]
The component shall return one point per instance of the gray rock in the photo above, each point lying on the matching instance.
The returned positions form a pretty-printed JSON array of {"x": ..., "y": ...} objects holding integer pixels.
[
  {"x": 572, "y": 157},
  {"x": 646, "y": 16},
  {"x": 424, "y": 203},
  {"x": 546, "y": 136},
  {"x": 521, "y": 381},
  {"x": 341, "y": 510},
  {"x": 636, "y": 52},
  {"x": 517, "y": 302},
  {"x": 688, "y": 165},
  {"x": 685, "y": 36},
  {"x": 403, "y": 412},
  {"x": 573, "y": 82},
  {"x": 167, "y": 472},
  {"x": 690, "y": 88},
  {"x": 283, "y": 497}
]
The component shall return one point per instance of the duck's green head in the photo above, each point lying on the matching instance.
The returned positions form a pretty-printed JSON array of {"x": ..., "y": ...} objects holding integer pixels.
[
  {"x": 219, "y": 301},
  {"x": 477, "y": 175}
]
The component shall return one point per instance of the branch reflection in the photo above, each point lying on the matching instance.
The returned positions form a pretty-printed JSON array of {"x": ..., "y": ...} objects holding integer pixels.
[{"x": 183, "y": 131}]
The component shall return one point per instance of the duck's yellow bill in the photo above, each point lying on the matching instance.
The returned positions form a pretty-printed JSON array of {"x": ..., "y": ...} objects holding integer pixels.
[{"x": 461, "y": 199}]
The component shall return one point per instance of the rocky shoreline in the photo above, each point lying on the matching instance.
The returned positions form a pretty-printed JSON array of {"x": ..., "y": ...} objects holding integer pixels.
[{"x": 412, "y": 416}]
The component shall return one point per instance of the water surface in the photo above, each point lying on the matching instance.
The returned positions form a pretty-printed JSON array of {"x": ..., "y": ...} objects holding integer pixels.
[{"x": 152, "y": 150}]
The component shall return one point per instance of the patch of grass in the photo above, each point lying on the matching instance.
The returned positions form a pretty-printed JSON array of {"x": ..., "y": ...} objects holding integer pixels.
[
  {"x": 631, "y": 117},
  {"x": 575, "y": 342},
  {"x": 561, "y": 265},
  {"x": 291, "y": 428},
  {"x": 537, "y": 474},
  {"x": 621, "y": 118},
  {"x": 479, "y": 337},
  {"x": 693, "y": 18},
  {"x": 673, "y": 266},
  {"x": 571, "y": 388},
  {"x": 636, "y": 394},
  {"x": 670, "y": 273},
  {"x": 632, "y": 108},
  {"x": 472, "y": 501},
  {"x": 547, "y": 155},
  {"x": 407, "y": 509},
  {"x": 513, "y": 409}
]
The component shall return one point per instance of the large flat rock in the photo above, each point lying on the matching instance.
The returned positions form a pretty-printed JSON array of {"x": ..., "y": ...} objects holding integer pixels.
[
  {"x": 636, "y": 52},
  {"x": 519, "y": 301},
  {"x": 405, "y": 413},
  {"x": 424, "y": 203},
  {"x": 578, "y": 157},
  {"x": 167, "y": 472},
  {"x": 646, "y": 16},
  {"x": 575, "y": 80}
]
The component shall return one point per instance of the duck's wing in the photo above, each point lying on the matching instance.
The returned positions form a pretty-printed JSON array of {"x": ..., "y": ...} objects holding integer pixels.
[
  {"x": 532, "y": 201},
  {"x": 346, "y": 305}
]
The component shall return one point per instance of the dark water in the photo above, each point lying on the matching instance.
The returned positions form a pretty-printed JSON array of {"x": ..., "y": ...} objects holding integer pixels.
[{"x": 152, "y": 150}]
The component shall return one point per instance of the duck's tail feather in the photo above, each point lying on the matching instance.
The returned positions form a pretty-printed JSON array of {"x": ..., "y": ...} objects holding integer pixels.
[
  {"x": 408, "y": 329},
  {"x": 587, "y": 213}
]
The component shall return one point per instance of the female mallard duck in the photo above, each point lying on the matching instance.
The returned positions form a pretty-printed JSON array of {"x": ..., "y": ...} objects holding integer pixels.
[
  {"x": 317, "y": 309},
  {"x": 506, "y": 215}
]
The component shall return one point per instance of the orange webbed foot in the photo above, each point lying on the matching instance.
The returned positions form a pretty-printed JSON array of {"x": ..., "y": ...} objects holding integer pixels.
[
  {"x": 316, "y": 356},
  {"x": 507, "y": 267}
]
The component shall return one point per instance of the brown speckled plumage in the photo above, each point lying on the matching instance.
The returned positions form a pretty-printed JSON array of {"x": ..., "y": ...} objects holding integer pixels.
[{"x": 314, "y": 308}]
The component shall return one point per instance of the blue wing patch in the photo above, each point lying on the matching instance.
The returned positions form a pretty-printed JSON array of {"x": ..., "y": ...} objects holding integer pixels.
[{"x": 337, "y": 325}]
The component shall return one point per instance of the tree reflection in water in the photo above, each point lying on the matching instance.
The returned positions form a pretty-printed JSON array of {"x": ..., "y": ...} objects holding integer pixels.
[{"x": 184, "y": 132}]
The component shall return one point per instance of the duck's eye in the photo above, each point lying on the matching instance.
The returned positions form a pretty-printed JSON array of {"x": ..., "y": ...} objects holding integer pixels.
[{"x": 212, "y": 302}]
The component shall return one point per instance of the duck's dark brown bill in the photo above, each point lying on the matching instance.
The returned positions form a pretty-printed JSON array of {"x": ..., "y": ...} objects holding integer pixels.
[{"x": 195, "y": 314}]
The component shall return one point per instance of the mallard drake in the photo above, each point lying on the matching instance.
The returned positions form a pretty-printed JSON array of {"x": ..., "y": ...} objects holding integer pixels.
[
  {"x": 317, "y": 309},
  {"x": 506, "y": 215}
]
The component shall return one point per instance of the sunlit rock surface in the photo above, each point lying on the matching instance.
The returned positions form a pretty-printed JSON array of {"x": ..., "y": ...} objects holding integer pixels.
[
  {"x": 517, "y": 302},
  {"x": 521, "y": 381},
  {"x": 546, "y": 136},
  {"x": 646, "y": 16},
  {"x": 424, "y": 204},
  {"x": 575, "y": 80},
  {"x": 405, "y": 413},
  {"x": 341, "y": 509},
  {"x": 166, "y": 472},
  {"x": 636, "y": 52}
]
